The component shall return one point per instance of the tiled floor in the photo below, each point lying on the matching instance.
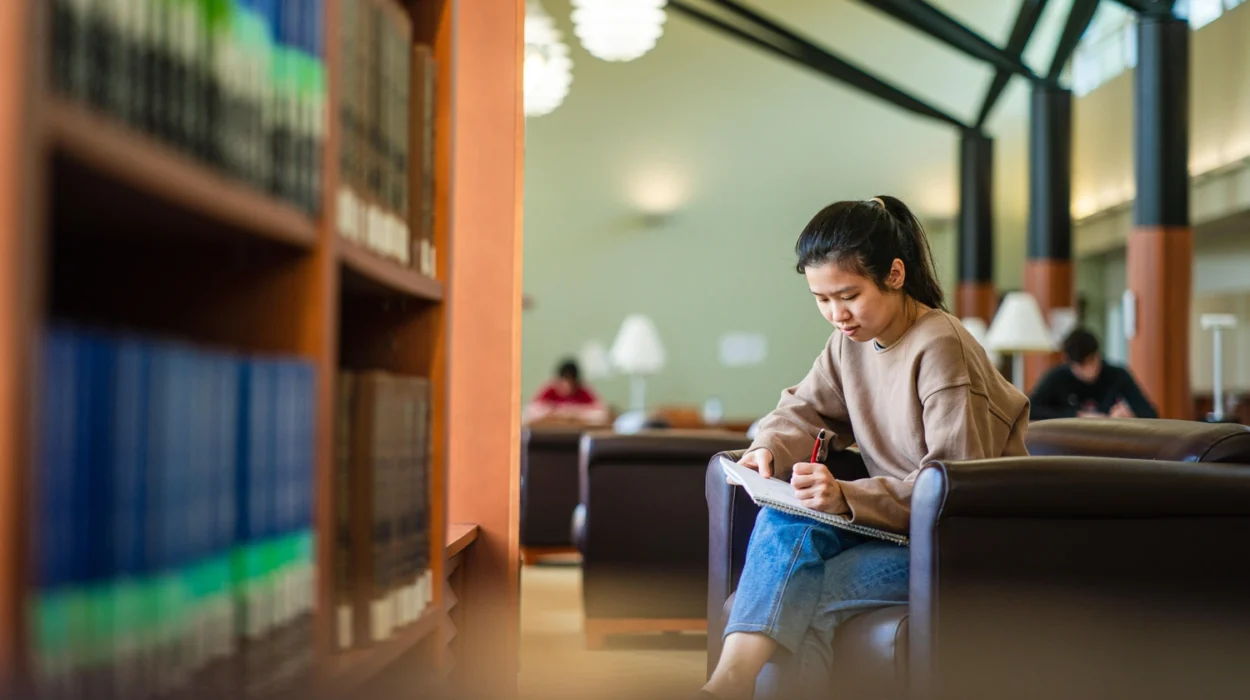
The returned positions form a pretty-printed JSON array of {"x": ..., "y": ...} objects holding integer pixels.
[{"x": 555, "y": 664}]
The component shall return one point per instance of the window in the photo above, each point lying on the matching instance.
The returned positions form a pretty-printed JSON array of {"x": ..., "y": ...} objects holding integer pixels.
[{"x": 1109, "y": 46}]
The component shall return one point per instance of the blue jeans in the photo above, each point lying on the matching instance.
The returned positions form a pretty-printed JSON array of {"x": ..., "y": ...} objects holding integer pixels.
[{"x": 801, "y": 579}]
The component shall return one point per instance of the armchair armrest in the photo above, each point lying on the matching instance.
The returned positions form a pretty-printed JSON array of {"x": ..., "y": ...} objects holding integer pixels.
[
  {"x": 1078, "y": 577},
  {"x": 731, "y": 518}
]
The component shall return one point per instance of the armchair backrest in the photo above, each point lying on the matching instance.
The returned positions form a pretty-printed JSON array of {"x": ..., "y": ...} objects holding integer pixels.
[
  {"x": 548, "y": 484},
  {"x": 1140, "y": 438}
]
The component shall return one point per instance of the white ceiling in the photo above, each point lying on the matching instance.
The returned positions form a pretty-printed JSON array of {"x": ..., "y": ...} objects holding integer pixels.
[{"x": 704, "y": 113}]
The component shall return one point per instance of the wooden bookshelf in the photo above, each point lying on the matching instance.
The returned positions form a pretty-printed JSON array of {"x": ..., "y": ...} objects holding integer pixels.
[
  {"x": 187, "y": 251},
  {"x": 352, "y": 669},
  {"x": 368, "y": 274},
  {"x": 129, "y": 174}
]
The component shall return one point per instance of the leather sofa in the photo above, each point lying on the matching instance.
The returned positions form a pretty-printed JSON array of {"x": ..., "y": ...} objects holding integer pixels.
[
  {"x": 642, "y": 529},
  {"x": 1114, "y": 562},
  {"x": 548, "y": 489}
]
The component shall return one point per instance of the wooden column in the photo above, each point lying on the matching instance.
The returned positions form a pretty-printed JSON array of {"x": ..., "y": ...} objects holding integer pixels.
[
  {"x": 1048, "y": 272},
  {"x": 484, "y": 348},
  {"x": 1160, "y": 247},
  {"x": 21, "y": 300},
  {"x": 975, "y": 295}
]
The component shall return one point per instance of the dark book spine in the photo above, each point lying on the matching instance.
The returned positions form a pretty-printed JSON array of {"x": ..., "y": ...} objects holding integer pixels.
[{"x": 69, "y": 47}]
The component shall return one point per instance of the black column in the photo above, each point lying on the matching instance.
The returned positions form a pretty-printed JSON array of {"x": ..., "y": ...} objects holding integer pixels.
[
  {"x": 1161, "y": 122},
  {"x": 1160, "y": 248},
  {"x": 1048, "y": 272},
  {"x": 975, "y": 296},
  {"x": 1050, "y": 174}
]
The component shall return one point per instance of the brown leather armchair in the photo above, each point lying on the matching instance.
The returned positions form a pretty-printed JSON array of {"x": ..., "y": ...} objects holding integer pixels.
[
  {"x": 642, "y": 529},
  {"x": 548, "y": 489},
  {"x": 1109, "y": 564}
]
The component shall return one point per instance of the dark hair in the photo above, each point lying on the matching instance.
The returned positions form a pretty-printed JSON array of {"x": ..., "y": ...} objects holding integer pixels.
[
  {"x": 568, "y": 370},
  {"x": 865, "y": 237},
  {"x": 1080, "y": 345}
]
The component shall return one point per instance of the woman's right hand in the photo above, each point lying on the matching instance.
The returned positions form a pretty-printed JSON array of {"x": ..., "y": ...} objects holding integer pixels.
[{"x": 760, "y": 460}]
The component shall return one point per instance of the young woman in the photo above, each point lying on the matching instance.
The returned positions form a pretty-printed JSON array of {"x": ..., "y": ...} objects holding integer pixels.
[{"x": 905, "y": 381}]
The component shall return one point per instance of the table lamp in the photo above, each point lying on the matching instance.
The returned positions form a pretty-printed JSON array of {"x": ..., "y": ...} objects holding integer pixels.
[
  {"x": 1216, "y": 323},
  {"x": 1017, "y": 328},
  {"x": 637, "y": 351},
  {"x": 594, "y": 360},
  {"x": 978, "y": 329}
]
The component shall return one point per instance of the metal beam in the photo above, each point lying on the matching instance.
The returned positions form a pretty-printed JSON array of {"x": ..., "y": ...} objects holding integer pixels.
[
  {"x": 802, "y": 51},
  {"x": 1079, "y": 17},
  {"x": 1150, "y": 8},
  {"x": 932, "y": 21},
  {"x": 1026, "y": 22}
]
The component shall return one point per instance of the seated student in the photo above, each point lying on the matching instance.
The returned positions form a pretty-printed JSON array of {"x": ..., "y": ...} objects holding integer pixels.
[
  {"x": 1087, "y": 386},
  {"x": 565, "y": 399},
  {"x": 902, "y": 378}
]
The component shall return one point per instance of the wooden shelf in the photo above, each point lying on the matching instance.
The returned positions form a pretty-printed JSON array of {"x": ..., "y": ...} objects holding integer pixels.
[
  {"x": 459, "y": 536},
  {"x": 369, "y": 274},
  {"x": 133, "y": 175},
  {"x": 348, "y": 670}
]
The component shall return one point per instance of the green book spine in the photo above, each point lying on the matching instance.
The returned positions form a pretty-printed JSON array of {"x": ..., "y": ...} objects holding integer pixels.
[{"x": 220, "y": 92}]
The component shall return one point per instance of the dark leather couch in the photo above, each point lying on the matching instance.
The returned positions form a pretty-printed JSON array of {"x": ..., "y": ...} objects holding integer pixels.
[
  {"x": 548, "y": 488},
  {"x": 642, "y": 529},
  {"x": 1114, "y": 562}
]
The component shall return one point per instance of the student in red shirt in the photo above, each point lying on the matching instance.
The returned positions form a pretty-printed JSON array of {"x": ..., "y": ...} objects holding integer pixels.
[{"x": 566, "y": 399}]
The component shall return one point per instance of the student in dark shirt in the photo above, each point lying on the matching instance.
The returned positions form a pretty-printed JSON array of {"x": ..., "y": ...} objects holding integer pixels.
[{"x": 1087, "y": 386}]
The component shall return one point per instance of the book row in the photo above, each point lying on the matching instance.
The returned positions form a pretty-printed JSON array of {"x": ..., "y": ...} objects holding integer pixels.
[
  {"x": 238, "y": 84},
  {"x": 386, "y": 149},
  {"x": 172, "y": 513}
]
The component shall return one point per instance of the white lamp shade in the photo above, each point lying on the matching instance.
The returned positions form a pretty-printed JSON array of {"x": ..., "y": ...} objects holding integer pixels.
[
  {"x": 1019, "y": 327},
  {"x": 637, "y": 348},
  {"x": 978, "y": 329},
  {"x": 548, "y": 68},
  {"x": 618, "y": 30},
  {"x": 594, "y": 360}
]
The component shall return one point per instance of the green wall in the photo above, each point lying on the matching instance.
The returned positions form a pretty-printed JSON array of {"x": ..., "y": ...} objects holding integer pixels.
[{"x": 710, "y": 271}]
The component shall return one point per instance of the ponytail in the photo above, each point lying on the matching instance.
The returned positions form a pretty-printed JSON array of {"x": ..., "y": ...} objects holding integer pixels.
[
  {"x": 921, "y": 281},
  {"x": 866, "y": 237}
]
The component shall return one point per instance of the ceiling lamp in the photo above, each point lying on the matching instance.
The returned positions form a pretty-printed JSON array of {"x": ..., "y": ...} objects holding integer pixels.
[
  {"x": 548, "y": 68},
  {"x": 618, "y": 30}
]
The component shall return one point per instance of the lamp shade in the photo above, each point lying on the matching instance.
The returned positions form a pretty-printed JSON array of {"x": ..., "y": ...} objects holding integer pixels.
[
  {"x": 979, "y": 330},
  {"x": 618, "y": 30},
  {"x": 1019, "y": 327},
  {"x": 593, "y": 357},
  {"x": 548, "y": 68},
  {"x": 637, "y": 348}
]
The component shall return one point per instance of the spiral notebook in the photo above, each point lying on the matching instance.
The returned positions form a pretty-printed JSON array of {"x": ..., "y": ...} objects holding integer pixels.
[{"x": 778, "y": 494}]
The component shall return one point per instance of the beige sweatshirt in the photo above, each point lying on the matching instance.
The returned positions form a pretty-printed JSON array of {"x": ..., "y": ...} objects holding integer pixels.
[{"x": 931, "y": 395}]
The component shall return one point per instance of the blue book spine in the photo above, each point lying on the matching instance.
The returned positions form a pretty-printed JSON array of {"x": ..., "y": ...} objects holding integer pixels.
[
  {"x": 307, "y": 479},
  {"x": 127, "y": 454},
  {"x": 53, "y": 504},
  {"x": 82, "y": 539},
  {"x": 226, "y": 430}
]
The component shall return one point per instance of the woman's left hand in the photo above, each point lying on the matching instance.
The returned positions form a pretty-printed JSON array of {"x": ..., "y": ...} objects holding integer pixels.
[{"x": 816, "y": 488}]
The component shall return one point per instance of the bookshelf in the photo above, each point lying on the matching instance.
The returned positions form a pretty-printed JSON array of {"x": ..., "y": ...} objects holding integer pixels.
[{"x": 105, "y": 226}]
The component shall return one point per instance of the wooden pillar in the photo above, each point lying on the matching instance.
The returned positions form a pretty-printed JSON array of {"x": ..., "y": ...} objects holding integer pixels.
[
  {"x": 22, "y": 35},
  {"x": 1048, "y": 272},
  {"x": 975, "y": 295},
  {"x": 484, "y": 345},
  {"x": 1160, "y": 247}
]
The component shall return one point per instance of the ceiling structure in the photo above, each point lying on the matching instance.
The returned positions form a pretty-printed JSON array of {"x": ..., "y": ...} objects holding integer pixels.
[{"x": 702, "y": 107}]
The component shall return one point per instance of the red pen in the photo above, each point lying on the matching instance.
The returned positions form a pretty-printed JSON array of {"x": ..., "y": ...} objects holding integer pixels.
[{"x": 820, "y": 439}]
